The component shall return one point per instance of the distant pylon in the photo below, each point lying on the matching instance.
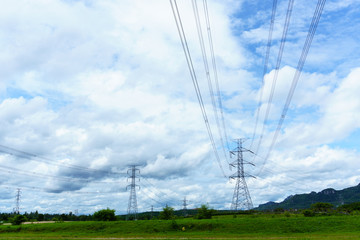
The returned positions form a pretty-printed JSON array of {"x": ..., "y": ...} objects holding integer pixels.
[
  {"x": 184, "y": 207},
  {"x": 241, "y": 198},
  {"x": 132, "y": 206},
  {"x": 17, "y": 201}
]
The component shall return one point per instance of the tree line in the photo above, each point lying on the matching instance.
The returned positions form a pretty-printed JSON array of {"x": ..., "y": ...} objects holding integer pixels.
[{"x": 168, "y": 213}]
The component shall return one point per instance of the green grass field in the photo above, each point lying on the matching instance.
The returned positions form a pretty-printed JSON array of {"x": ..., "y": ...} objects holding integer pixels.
[{"x": 220, "y": 227}]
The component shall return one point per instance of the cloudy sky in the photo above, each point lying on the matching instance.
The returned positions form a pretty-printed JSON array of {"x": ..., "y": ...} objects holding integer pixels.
[{"x": 90, "y": 87}]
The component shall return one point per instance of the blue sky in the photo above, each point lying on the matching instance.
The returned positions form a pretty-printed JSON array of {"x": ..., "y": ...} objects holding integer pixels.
[{"x": 101, "y": 85}]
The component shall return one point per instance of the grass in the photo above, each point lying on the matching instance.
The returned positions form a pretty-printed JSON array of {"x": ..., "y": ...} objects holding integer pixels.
[{"x": 220, "y": 227}]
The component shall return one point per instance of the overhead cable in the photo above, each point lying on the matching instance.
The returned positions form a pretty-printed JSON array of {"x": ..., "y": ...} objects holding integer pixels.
[
  {"x": 186, "y": 50},
  {"x": 215, "y": 72},
  {"x": 277, "y": 67},
  {"x": 12, "y": 170},
  {"x": 38, "y": 158},
  {"x": 266, "y": 63},
  {"x": 314, "y": 23},
  {"x": 207, "y": 70}
]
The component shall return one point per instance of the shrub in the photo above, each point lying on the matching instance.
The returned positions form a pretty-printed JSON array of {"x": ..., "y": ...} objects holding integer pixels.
[
  {"x": 350, "y": 207},
  {"x": 279, "y": 210},
  {"x": 308, "y": 213},
  {"x": 321, "y": 207},
  {"x": 18, "y": 219},
  {"x": 174, "y": 225},
  {"x": 167, "y": 213},
  {"x": 105, "y": 215},
  {"x": 205, "y": 212}
]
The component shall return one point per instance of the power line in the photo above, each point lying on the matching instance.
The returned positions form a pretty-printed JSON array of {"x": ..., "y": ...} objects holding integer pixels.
[
  {"x": 186, "y": 50},
  {"x": 51, "y": 191},
  {"x": 153, "y": 199},
  {"x": 160, "y": 198},
  {"x": 266, "y": 62},
  {"x": 277, "y": 67},
  {"x": 312, "y": 29},
  {"x": 11, "y": 170},
  {"x": 207, "y": 71},
  {"x": 165, "y": 198},
  {"x": 34, "y": 157},
  {"x": 215, "y": 71}
]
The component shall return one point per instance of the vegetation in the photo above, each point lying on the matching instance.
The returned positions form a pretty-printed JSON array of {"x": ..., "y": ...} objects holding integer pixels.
[
  {"x": 18, "y": 219},
  {"x": 304, "y": 201},
  {"x": 320, "y": 221},
  {"x": 349, "y": 208},
  {"x": 246, "y": 226},
  {"x": 167, "y": 213},
  {"x": 322, "y": 207},
  {"x": 205, "y": 212},
  {"x": 35, "y": 216},
  {"x": 105, "y": 215}
]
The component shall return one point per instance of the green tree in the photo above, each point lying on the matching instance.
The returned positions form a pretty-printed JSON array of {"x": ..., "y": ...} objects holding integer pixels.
[
  {"x": 321, "y": 207},
  {"x": 167, "y": 213},
  {"x": 40, "y": 217},
  {"x": 350, "y": 207},
  {"x": 205, "y": 212},
  {"x": 18, "y": 219},
  {"x": 308, "y": 213},
  {"x": 105, "y": 215}
]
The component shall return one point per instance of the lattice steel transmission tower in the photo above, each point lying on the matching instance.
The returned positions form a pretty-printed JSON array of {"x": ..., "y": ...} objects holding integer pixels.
[
  {"x": 241, "y": 198},
  {"x": 185, "y": 207},
  {"x": 132, "y": 206},
  {"x": 17, "y": 201}
]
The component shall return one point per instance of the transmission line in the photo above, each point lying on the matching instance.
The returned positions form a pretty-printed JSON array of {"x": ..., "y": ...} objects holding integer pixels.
[
  {"x": 37, "y": 158},
  {"x": 158, "y": 193},
  {"x": 51, "y": 191},
  {"x": 266, "y": 62},
  {"x": 186, "y": 50},
  {"x": 314, "y": 23},
  {"x": 206, "y": 67},
  {"x": 277, "y": 67},
  {"x": 215, "y": 71},
  {"x": 12, "y": 170}
]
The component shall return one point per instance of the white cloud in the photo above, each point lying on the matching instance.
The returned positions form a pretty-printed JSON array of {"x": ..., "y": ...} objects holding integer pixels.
[{"x": 104, "y": 84}]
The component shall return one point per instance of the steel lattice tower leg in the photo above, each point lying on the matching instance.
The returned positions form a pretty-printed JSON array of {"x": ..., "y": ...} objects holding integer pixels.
[
  {"x": 241, "y": 198},
  {"x": 132, "y": 206}
]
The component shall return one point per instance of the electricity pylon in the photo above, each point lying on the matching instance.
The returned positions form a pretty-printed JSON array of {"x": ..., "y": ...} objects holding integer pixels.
[
  {"x": 241, "y": 198},
  {"x": 184, "y": 207},
  {"x": 132, "y": 206},
  {"x": 17, "y": 201}
]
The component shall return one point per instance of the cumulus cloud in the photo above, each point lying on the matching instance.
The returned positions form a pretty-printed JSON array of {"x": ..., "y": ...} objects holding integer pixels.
[{"x": 92, "y": 87}]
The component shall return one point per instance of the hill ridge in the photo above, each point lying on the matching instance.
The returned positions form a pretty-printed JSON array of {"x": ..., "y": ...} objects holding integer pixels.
[{"x": 304, "y": 200}]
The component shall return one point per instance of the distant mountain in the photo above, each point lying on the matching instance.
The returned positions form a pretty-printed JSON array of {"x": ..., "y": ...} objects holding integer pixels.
[{"x": 329, "y": 195}]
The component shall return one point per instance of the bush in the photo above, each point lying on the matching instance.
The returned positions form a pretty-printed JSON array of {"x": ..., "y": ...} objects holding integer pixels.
[
  {"x": 58, "y": 219},
  {"x": 105, "y": 215},
  {"x": 18, "y": 219},
  {"x": 174, "y": 225},
  {"x": 350, "y": 207},
  {"x": 308, "y": 213},
  {"x": 279, "y": 210},
  {"x": 205, "y": 212},
  {"x": 167, "y": 213},
  {"x": 321, "y": 207},
  {"x": 40, "y": 217}
]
